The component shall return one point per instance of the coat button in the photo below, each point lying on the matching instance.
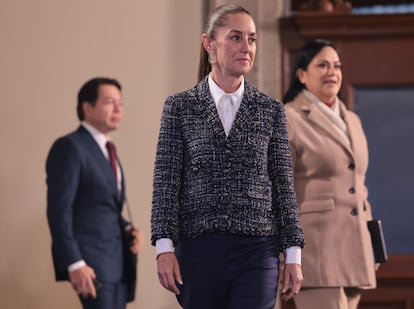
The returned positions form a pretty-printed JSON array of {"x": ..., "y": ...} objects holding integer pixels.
[
  {"x": 354, "y": 211},
  {"x": 351, "y": 190},
  {"x": 351, "y": 166}
]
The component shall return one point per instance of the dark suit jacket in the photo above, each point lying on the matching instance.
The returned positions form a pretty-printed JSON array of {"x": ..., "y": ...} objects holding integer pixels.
[
  {"x": 84, "y": 207},
  {"x": 205, "y": 182}
]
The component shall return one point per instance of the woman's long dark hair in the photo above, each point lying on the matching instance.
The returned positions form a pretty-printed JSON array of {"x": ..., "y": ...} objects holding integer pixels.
[
  {"x": 216, "y": 19},
  {"x": 304, "y": 56}
]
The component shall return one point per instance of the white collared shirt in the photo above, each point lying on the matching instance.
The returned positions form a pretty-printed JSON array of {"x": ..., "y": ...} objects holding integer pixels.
[
  {"x": 217, "y": 93},
  {"x": 227, "y": 104}
]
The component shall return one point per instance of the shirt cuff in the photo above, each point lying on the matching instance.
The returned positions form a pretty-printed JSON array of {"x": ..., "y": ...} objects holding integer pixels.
[
  {"x": 77, "y": 265},
  {"x": 293, "y": 255},
  {"x": 164, "y": 245}
]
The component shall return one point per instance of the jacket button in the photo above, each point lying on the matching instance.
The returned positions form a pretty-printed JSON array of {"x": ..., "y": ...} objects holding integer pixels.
[
  {"x": 351, "y": 166},
  {"x": 354, "y": 211},
  {"x": 351, "y": 190}
]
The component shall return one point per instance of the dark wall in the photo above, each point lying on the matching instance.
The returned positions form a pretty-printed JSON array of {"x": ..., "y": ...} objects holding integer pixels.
[{"x": 387, "y": 115}]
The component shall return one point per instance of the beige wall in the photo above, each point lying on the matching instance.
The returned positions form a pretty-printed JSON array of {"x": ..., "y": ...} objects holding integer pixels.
[{"x": 48, "y": 49}]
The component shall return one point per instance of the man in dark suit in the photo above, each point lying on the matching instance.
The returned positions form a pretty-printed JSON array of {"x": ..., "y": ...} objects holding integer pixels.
[{"x": 85, "y": 196}]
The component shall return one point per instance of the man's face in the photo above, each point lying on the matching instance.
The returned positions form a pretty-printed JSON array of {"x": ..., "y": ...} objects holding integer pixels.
[{"x": 106, "y": 115}]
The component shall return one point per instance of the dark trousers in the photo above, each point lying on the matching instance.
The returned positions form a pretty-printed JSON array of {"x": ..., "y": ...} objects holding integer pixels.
[
  {"x": 228, "y": 272},
  {"x": 110, "y": 296}
]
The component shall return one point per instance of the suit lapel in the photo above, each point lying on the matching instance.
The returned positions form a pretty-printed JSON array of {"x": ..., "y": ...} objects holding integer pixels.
[
  {"x": 99, "y": 157},
  {"x": 121, "y": 196}
]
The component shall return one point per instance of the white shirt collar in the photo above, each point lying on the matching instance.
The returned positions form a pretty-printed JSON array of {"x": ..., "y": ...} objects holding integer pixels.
[{"x": 217, "y": 92}]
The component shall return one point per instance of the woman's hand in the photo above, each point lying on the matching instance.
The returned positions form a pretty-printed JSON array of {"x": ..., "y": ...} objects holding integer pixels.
[
  {"x": 169, "y": 271},
  {"x": 292, "y": 280}
]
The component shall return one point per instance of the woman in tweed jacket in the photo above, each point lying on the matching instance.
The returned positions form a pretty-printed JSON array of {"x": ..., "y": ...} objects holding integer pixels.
[{"x": 223, "y": 200}]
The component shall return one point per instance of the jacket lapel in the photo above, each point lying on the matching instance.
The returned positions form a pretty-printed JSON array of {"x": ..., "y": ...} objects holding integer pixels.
[
  {"x": 317, "y": 119},
  {"x": 248, "y": 108},
  {"x": 102, "y": 162},
  {"x": 121, "y": 196},
  {"x": 206, "y": 107}
]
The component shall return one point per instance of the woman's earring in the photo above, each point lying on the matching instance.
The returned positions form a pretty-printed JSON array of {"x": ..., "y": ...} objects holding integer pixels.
[{"x": 211, "y": 58}]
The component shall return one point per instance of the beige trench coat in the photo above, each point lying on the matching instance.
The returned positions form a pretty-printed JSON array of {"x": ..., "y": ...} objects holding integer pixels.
[{"x": 332, "y": 197}]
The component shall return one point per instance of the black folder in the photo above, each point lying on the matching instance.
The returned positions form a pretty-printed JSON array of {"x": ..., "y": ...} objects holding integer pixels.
[{"x": 378, "y": 243}]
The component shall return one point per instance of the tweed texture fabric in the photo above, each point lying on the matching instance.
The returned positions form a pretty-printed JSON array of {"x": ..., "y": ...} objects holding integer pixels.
[{"x": 207, "y": 182}]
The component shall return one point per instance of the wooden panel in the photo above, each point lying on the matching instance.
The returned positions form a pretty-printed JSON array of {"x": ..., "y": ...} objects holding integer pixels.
[
  {"x": 376, "y": 50},
  {"x": 395, "y": 286},
  {"x": 356, "y": 3}
]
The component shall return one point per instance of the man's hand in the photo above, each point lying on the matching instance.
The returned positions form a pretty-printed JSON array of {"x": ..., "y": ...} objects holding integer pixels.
[
  {"x": 292, "y": 281},
  {"x": 82, "y": 281},
  {"x": 138, "y": 239},
  {"x": 169, "y": 271}
]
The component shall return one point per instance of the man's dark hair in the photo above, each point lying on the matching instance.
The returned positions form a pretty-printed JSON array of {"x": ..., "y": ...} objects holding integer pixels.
[{"x": 89, "y": 92}]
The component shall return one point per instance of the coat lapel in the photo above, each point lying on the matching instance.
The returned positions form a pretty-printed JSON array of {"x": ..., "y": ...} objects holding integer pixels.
[
  {"x": 316, "y": 117},
  {"x": 353, "y": 133},
  {"x": 245, "y": 113}
]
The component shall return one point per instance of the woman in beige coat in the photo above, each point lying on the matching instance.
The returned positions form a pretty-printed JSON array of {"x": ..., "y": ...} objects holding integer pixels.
[{"x": 330, "y": 158}]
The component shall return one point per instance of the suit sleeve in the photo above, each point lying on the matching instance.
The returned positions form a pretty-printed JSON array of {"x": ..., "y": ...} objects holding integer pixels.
[{"x": 63, "y": 169}]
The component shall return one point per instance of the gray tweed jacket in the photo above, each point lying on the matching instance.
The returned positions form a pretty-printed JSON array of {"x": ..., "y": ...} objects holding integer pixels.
[{"x": 205, "y": 182}]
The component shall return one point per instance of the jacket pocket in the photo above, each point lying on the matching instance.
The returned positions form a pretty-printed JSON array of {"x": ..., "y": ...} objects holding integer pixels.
[{"x": 316, "y": 206}]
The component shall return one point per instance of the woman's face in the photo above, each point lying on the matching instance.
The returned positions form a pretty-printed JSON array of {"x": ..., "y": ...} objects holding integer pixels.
[
  {"x": 234, "y": 47},
  {"x": 323, "y": 77}
]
